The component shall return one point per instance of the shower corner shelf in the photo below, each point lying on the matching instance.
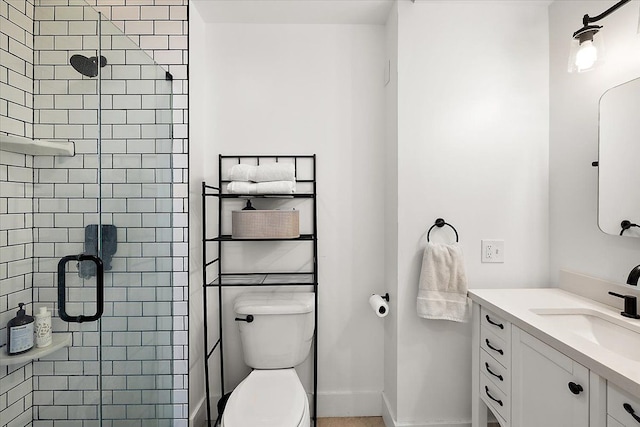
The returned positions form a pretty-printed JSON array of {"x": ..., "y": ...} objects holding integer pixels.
[
  {"x": 59, "y": 340},
  {"x": 36, "y": 147}
]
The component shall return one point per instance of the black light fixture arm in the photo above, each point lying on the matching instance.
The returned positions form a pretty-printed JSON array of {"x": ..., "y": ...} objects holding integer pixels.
[{"x": 586, "y": 20}]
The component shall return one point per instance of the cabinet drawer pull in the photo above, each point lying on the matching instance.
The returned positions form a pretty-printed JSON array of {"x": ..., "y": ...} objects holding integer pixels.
[
  {"x": 493, "y": 348},
  {"x": 486, "y": 390},
  {"x": 498, "y": 376},
  {"x": 499, "y": 325},
  {"x": 630, "y": 410},
  {"x": 575, "y": 388}
]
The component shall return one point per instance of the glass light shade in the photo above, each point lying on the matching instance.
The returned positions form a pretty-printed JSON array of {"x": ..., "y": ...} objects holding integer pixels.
[{"x": 587, "y": 55}]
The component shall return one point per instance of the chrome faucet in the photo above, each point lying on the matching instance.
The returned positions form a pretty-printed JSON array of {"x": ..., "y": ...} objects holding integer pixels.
[{"x": 634, "y": 275}]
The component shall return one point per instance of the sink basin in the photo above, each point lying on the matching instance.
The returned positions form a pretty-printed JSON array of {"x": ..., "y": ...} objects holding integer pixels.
[{"x": 611, "y": 333}]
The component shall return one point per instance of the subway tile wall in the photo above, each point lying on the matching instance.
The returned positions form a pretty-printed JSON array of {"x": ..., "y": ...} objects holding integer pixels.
[
  {"x": 16, "y": 189},
  {"x": 145, "y": 358}
]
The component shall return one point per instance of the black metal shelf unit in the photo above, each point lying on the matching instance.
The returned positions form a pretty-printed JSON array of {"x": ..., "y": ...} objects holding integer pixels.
[{"x": 225, "y": 279}]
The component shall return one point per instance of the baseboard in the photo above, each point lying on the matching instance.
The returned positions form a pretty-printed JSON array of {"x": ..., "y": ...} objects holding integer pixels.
[
  {"x": 198, "y": 417},
  {"x": 388, "y": 416},
  {"x": 389, "y": 419},
  {"x": 349, "y": 404}
]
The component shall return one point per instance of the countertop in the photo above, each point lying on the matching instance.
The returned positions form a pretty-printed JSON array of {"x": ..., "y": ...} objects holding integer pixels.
[{"x": 516, "y": 305}]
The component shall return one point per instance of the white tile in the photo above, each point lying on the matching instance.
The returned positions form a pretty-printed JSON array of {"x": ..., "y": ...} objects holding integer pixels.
[
  {"x": 71, "y": 13},
  {"x": 52, "y": 175},
  {"x": 72, "y": 42},
  {"x": 84, "y": 28}
]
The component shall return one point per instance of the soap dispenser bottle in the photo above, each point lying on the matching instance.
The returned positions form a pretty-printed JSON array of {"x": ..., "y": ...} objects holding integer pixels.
[
  {"x": 43, "y": 327},
  {"x": 20, "y": 332}
]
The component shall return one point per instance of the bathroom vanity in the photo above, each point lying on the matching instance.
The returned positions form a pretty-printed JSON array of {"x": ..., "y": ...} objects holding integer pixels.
[{"x": 548, "y": 357}]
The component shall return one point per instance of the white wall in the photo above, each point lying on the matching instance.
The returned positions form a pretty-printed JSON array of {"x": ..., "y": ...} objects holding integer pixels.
[
  {"x": 472, "y": 148},
  {"x": 576, "y": 243},
  {"x": 390, "y": 394},
  {"x": 298, "y": 89}
]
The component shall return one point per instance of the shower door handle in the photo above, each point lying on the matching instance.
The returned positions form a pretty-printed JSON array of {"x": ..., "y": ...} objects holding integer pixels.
[{"x": 62, "y": 288}]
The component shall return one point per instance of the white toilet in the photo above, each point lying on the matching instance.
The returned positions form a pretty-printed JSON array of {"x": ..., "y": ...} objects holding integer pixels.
[{"x": 278, "y": 339}]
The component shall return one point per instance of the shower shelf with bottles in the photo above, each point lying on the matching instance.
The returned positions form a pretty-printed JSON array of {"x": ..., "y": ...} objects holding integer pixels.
[
  {"x": 59, "y": 340},
  {"x": 238, "y": 279},
  {"x": 36, "y": 147}
]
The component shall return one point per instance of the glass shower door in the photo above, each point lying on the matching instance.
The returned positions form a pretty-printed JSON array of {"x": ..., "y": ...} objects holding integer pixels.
[{"x": 104, "y": 236}]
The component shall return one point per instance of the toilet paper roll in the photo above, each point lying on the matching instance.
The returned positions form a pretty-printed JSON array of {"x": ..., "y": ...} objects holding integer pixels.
[{"x": 379, "y": 305}]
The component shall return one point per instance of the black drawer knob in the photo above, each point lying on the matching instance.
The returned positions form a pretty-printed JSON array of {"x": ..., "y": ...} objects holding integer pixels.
[{"x": 575, "y": 388}]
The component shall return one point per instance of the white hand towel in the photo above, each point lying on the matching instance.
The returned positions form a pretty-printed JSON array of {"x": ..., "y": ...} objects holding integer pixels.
[
  {"x": 275, "y": 172},
  {"x": 442, "y": 292},
  {"x": 242, "y": 172},
  {"x": 241, "y": 187},
  {"x": 276, "y": 187}
]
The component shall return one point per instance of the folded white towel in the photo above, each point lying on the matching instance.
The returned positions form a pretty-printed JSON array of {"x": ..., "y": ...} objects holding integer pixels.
[
  {"x": 242, "y": 172},
  {"x": 275, "y": 187},
  {"x": 275, "y": 172},
  {"x": 242, "y": 187},
  {"x": 264, "y": 173},
  {"x": 442, "y": 292}
]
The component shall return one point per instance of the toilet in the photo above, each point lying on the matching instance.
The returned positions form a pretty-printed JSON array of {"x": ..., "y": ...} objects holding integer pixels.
[{"x": 277, "y": 339}]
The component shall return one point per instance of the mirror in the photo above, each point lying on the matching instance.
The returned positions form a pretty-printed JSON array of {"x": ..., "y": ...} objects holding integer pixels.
[{"x": 619, "y": 160}]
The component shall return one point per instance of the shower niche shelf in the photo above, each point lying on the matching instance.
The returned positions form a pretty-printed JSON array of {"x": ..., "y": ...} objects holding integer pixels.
[
  {"x": 59, "y": 340},
  {"x": 36, "y": 147}
]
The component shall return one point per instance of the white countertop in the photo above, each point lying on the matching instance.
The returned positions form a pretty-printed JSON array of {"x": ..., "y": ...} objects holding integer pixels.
[{"x": 515, "y": 305}]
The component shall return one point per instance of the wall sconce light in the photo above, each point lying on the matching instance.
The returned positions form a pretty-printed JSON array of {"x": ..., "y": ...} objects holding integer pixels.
[{"x": 586, "y": 49}]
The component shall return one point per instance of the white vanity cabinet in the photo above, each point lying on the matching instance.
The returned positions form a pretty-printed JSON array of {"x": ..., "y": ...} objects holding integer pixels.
[
  {"x": 621, "y": 408},
  {"x": 549, "y": 389},
  {"x": 527, "y": 383},
  {"x": 533, "y": 367}
]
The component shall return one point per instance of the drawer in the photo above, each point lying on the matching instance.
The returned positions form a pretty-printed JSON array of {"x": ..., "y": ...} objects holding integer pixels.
[
  {"x": 495, "y": 347},
  {"x": 496, "y": 399},
  {"x": 496, "y": 324},
  {"x": 616, "y": 402},
  {"x": 495, "y": 372}
]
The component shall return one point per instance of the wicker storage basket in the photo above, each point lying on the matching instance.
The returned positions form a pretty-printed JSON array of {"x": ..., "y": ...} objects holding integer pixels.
[{"x": 265, "y": 224}]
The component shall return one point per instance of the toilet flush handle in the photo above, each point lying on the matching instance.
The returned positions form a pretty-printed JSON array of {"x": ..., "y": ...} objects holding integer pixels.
[{"x": 248, "y": 319}]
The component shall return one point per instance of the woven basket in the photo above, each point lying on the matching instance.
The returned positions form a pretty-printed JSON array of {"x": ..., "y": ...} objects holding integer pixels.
[{"x": 265, "y": 224}]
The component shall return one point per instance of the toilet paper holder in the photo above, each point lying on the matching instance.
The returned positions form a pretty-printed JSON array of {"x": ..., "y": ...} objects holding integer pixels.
[{"x": 379, "y": 304}]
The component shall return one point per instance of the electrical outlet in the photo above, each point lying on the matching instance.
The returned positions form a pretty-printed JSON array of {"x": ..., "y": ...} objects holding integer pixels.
[{"x": 492, "y": 251}]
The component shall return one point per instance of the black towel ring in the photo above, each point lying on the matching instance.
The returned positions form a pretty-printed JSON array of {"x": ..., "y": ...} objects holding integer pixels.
[
  {"x": 441, "y": 223},
  {"x": 626, "y": 224}
]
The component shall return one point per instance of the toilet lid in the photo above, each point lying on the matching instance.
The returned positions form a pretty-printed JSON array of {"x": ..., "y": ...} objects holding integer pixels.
[{"x": 267, "y": 398}]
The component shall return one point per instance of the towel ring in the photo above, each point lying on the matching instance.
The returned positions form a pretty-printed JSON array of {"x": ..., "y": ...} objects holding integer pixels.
[
  {"x": 441, "y": 223},
  {"x": 626, "y": 224}
]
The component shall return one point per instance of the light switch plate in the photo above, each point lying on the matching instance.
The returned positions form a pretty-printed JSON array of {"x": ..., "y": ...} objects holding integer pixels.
[{"x": 492, "y": 250}]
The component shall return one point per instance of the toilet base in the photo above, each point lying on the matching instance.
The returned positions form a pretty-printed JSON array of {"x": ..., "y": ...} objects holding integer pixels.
[{"x": 268, "y": 398}]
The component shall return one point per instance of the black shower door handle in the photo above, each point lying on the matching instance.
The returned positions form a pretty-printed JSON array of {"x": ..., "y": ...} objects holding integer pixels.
[{"x": 62, "y": 288}]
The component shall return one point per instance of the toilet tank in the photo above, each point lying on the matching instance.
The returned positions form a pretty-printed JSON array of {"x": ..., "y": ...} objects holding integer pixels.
[{"x": 281, "y": 332}]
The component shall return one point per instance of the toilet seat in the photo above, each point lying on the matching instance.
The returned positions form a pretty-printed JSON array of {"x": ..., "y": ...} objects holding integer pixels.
[{"x": 268, "y": 398}]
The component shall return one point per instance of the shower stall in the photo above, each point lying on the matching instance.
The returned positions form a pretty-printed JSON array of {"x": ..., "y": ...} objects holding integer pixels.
[{"x": 100, "y": 231}]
